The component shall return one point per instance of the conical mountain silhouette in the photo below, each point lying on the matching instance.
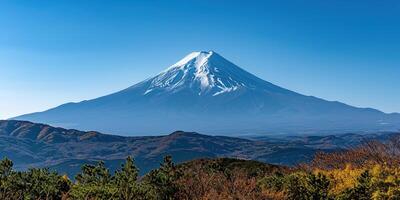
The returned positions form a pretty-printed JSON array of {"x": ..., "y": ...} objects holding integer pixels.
[{"x": 206, "y": 93}]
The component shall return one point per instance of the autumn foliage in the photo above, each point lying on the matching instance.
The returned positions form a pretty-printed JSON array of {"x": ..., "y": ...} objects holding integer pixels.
[{"x": 370, "y": 171}]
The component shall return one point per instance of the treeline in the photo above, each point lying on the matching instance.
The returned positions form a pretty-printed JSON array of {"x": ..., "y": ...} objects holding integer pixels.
[
  {"x": 371, "y": 171},
  {"x": 93, "y": 182}
]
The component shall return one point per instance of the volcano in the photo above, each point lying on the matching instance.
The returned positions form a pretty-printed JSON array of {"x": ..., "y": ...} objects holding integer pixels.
[{"x": 204, "y": 92}]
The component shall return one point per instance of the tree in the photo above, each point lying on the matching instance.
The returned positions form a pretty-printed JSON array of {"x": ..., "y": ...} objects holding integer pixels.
[
  {"x": 94, "y": 182},
  {"x": 5, "y": 168},
  {"x": 318, "y": 186},
  {"x": 126, "y": 180},
  {"x": 307, "y": 186},
  {"x": 98, "y": 174},
  {"x": 296, "y": 186},
  {"x": 5, "y": 173},
  {"x": 362, "y": 191},
  {"x": 163, "y": 180},
  {"x": 44, "y": 184}
]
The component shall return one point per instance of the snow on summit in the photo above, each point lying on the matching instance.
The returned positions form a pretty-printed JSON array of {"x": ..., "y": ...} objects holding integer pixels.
[
  {"x": 206, "y": 73},
  {"x": 205, "y": 92}
]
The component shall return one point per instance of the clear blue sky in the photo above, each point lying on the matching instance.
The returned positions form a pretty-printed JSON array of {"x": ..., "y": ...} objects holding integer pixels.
[{"x": 52, "y": 52}]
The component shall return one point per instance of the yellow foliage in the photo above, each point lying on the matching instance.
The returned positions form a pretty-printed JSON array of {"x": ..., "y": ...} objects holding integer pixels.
[
  {"x": 65, "y": 177},
  {"x": 385, "y": 180},
  {"x": 341, "y": 179}
]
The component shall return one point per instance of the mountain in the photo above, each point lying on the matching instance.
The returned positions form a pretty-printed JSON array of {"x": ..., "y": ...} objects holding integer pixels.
[
  {"x": 204, "y": 92},
  {"x": 39, "y": 145}
]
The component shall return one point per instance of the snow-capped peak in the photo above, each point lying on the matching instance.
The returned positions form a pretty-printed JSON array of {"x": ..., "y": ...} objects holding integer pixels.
[
  {"x": 201, "y": 72},
  {"x": 199, "y": 56}
]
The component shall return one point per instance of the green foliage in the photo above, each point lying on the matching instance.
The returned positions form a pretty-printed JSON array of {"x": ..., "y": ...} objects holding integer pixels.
[
  {"x": 296, "y": 186},
  {"x": 6, "y": 182},
  {"x": 318, "y": 186},
  {"x": 275, "y": 182},
  {"x": 94, "y": 174},
  {"x": 32, "y": 184},
  {"x": 5, "y": 168},
  {"x": 216, "y": 179},
  {"x": 163, "y": 180},
  {"x": 127, "y": 183},
  {"x": 94, "y": 182},
  {"x": 299, "y": 185},
  {"x": 44, "y": 184}
]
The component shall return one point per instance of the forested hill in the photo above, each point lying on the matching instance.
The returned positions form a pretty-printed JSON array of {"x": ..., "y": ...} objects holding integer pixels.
[{"x": 39, "y": 145}]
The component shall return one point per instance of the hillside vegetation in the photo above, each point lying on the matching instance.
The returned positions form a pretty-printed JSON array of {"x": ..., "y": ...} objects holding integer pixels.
[
  {"x": 36, "y": 145},
  {"x": 370, "y": 171}
]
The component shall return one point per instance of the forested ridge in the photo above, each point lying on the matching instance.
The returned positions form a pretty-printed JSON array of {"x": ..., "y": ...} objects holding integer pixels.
[{"x": 370, "y": 171}]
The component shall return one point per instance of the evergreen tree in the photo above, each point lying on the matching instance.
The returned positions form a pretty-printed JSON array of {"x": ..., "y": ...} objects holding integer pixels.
[
  {"x": 296, "y": 186},
  {"x": 307, "y": 186},
  {"x": 163, "y": 180},
  {"x": 5, "y": 173},
  {"x": 44, "y": 184},
  {"x": 97, "y": 174},
  {"x": 94, "y": 182},
  {"x": 126, "y": 180},
  {"x": 318, "y": 187}
]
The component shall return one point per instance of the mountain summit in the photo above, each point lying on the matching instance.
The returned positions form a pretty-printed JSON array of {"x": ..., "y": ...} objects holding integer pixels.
[
  {"x": 205, "y": 73},
  {"x": 204, "y": 92}
]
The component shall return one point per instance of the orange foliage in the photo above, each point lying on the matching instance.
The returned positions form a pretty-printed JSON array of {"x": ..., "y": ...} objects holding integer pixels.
[{"x": 203, "y": 185}]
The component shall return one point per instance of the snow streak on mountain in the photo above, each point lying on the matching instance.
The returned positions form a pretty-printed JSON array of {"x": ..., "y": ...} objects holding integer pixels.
[
  {"x": 206, "y": 93},
  {"x": 204, "y": 72}
]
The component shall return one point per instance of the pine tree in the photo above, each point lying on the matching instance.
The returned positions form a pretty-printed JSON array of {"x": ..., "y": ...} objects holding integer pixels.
[
  {"x": 94, "y": 182},
  {"x": 126, "y": 182},
  {"x": 5, "y": 173},
  {"x": 163, "y": 180}
]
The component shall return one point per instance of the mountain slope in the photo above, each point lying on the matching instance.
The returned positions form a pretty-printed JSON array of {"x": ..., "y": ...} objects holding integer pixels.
[
  {"x": 38, "y": 145},
  {"x": 207, "y": 93}
]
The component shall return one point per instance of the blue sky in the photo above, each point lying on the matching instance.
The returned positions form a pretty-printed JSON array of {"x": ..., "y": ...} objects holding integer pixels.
[{"x": 52, "y": 52}]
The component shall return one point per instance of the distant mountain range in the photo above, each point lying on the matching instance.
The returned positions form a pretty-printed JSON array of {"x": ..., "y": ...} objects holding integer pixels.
[
  {"x": 206, "y": 93},
  {"x": 38, "y": 145}
]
